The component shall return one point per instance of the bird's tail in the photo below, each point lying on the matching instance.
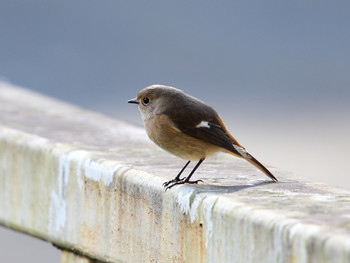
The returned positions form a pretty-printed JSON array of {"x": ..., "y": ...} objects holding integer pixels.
[
  {"x": 258, "y": 165},
  {"x": 244, "y": 154}
]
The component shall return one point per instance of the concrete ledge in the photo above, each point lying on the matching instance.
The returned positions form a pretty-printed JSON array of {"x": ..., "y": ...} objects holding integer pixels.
[{"x": 93, "y": 186}]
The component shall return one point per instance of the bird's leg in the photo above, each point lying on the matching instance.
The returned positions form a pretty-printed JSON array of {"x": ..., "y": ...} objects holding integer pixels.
[
  {"x": 177, "y": 178},
  {"x": 186, "y": 179}
]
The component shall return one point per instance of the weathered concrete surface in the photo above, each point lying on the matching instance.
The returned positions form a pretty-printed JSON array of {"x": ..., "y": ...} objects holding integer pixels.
[{"x": 93, "y": 185}]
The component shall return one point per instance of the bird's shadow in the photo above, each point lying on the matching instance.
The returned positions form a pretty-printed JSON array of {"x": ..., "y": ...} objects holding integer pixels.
[{"x": 224, "y": 189}]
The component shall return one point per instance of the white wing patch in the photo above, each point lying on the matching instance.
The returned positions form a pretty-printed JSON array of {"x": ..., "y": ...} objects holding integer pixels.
[{"x": 203, "y": 124}]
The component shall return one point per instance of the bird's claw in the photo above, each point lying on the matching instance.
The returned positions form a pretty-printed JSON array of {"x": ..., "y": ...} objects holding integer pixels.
[
  {"x": 169, "y": 184},
  {"x": 165, "y": 184}
]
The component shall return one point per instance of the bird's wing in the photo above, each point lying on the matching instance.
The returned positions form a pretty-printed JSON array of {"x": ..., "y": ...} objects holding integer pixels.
[
  {"x": 211, "y": 132},
  {"x": 197, "y": 119}
]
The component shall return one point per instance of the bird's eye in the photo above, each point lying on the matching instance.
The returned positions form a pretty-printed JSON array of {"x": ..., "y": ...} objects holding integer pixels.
[{"x": 145, "y": 100}]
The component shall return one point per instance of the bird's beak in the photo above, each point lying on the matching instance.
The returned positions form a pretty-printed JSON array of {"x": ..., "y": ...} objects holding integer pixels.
[{"x": 133, "y": 101}]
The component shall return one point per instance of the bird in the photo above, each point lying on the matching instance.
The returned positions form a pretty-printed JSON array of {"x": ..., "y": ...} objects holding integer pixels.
[{"x": 187, "y": 128}]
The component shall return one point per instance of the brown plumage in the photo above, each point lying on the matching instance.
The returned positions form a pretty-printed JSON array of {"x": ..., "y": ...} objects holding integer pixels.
[{"x": 188, "y": 128}]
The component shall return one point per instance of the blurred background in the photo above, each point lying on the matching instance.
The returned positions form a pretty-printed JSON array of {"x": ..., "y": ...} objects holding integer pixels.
[{"x": 278, "y": 72}]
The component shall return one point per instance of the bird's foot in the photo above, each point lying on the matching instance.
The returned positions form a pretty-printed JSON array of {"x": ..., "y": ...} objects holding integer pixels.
[
  {"x": 169, "y": 184},
  {"x": 176, "y": 179}
]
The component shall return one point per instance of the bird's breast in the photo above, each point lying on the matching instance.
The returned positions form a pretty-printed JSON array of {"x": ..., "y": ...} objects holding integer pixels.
[{"x": 162, "y": 131}]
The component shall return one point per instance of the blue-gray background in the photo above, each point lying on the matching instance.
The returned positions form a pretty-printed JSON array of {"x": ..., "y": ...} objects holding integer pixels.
[{"x": 277, "y": 71}]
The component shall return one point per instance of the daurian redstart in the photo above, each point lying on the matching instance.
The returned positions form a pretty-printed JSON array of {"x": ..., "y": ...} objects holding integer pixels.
[{"x": 188, "y": 128}]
